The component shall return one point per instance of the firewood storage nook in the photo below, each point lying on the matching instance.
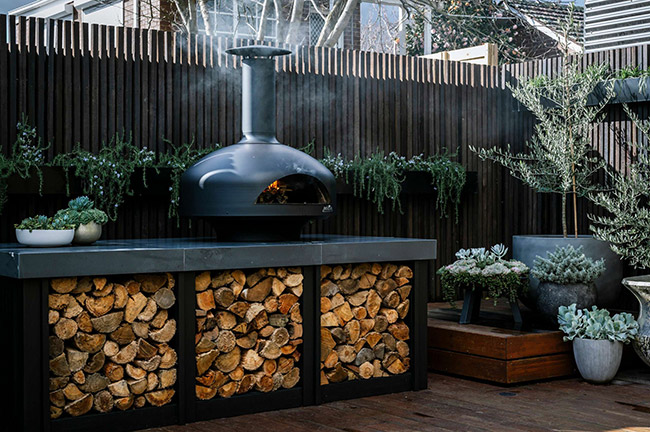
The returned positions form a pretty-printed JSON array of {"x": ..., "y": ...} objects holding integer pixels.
[{"x": 130, "y": 334}]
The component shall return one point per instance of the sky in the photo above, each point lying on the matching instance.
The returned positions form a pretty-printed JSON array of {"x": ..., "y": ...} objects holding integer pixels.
[{"x": 7, "y": 5}]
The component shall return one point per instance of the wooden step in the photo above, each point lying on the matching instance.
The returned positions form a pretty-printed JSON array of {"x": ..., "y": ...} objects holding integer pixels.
[{"x": 497, "y": 354}]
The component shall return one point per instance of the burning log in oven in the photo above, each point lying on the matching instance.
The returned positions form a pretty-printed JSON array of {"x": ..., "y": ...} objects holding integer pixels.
[
  {"x": 295, "y": 189},
  {"x": 275, "y": 193}
]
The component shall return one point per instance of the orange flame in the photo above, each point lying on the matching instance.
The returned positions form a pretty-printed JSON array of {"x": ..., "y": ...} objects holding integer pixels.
[{"x": 273, "y": 187}]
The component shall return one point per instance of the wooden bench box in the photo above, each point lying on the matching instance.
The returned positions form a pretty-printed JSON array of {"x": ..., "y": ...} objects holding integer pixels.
[{"x": 496, "y": 354}]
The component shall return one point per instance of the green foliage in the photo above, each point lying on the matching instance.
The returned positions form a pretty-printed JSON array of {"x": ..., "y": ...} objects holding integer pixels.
[
  {"x": 447, "y": 177},
  {"x": 106, "y": 176},
  {"x": 631, "y": 72},
  {"x": 375, "y": 178},
  {"x": 27, "y": 154},
  {"x": 485, "y": 270},
  {"x": 560, "y": 155},
  {"x": 178, "y": 160},
  {"x": 379, "y": 177},
  {"x": 596, "y": 324},
  {"x": 626, "y": 227},
  {"x": 81, "y": 211},
  {"x": 463, "y": 24},
  {"x": 568, "y": 266},
  {"x": 44, "y": 223}
]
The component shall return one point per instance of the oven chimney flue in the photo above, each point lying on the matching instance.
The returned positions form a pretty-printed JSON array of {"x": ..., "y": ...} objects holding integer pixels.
[{"x": 258, "y": 93}]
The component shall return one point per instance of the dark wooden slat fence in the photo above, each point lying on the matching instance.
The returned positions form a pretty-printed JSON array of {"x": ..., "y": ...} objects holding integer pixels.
[{"x": 81, "y": 83}]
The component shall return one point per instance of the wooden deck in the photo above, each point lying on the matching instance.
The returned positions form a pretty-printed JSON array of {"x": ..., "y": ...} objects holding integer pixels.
[{"x": 455, "y": 404}]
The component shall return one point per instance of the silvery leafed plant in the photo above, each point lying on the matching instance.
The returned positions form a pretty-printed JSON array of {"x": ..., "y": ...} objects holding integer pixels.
[
  {"x": 566, "y": 276},
  {"x": 598, "y": 339},
  {"x": 485, "y": 270}
]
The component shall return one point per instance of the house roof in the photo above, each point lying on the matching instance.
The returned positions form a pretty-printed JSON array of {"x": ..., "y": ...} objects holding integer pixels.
[
  {"x": 56, "y": 9},
  {"x": 550, "y": 16}
]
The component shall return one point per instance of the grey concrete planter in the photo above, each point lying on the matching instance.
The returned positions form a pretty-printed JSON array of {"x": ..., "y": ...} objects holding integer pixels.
[
  {"x": 526, "y": 247},
  {"x": 597, "y": 360},
  {"x": 552, "y": 296},
  {"x": 640, "y": 287}
]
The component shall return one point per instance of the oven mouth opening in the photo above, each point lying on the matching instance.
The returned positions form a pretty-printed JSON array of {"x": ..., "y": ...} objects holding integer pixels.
[{"x": 294, "y": 189}]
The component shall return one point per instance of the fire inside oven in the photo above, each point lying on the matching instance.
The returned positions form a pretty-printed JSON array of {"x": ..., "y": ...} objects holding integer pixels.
[{"x": 295, "y": 189}]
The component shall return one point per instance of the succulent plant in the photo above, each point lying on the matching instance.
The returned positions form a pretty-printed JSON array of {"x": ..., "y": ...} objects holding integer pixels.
[
  {"x": 479, "y": 268},
  {"x": 596, "y": 324},
  {"x": 568, "y": 266},
  {"x": 41, "y": 222},
  {"x": 81, "y": 211},
  {"x": 81, "y": 203}
]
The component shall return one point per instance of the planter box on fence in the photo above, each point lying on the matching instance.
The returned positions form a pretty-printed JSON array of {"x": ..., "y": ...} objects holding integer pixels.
[
  {"x": 627, "y": 90},
  {"x": 133, "y": 334},
  {"x": 54, "y": 183}
]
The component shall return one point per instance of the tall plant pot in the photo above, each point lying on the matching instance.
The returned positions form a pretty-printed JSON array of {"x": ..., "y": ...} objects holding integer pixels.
[
  {"x": 597, "y": 360},
  {"x": 640, "y": 287},
  {"x": 526, "y": 248}
]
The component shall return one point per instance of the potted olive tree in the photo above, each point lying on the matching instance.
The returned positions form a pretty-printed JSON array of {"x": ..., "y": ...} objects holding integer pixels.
[
  {"x": 560, "y": 160},
  {"x": 598, "y": 339},
  {"x": 42, "y": 231},
  {"x": 566, "y": 276},
  {"x": 86, "y": 219}
]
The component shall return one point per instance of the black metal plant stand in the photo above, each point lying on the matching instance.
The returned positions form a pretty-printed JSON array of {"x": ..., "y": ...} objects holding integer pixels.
[{"x": 472, "y": 308}]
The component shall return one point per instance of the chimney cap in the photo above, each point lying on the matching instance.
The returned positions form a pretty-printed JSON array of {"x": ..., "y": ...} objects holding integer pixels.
[{"x": 258, "y": 51}]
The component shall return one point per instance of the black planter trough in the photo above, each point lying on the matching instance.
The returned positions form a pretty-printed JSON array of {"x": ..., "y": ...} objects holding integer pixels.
[{"x": 628, "y": 90}]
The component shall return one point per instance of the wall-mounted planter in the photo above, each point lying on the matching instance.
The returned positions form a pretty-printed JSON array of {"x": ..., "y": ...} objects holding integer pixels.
[
  {"x": 625, "y": 91},
  {"x": 415, "y": 183},
  {"x": 54, "y": 183}
]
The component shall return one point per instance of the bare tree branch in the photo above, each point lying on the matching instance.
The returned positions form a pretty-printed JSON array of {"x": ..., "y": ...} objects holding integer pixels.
[
  {"x": 341, "y": 22},
  {"x": 295, "y": 21},
  {"x": 261, "y": 29}
]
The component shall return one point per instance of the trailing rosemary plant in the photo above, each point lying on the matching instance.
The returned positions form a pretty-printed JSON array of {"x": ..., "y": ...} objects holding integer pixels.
[
  {"x": 447, "y": 177},
  {"x": 178, "y": 160},
  {"x": 106, "y": 176},
  {"x": 375, "y": 178},
  {"x": 27, "y": 155},
  {"x": 379, "y": 177}
]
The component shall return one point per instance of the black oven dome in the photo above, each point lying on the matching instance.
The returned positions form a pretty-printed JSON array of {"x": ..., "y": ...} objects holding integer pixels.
[
  {"x": 258, "y": 189},
  {"x": 229, "y": 181}
]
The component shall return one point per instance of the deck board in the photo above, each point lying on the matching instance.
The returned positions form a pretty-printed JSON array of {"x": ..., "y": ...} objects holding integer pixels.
[{"x": 455, "y": 404}]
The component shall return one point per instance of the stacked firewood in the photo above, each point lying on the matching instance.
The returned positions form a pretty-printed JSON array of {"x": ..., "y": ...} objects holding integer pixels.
[
  {"x": 109, "y": 343},
  {"x": 363, "y": 333},
  {"x": 249, "y": 328}
]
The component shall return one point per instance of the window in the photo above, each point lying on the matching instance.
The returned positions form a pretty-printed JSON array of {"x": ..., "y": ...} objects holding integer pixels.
[
  {"x": 237, "y": 18},
  {"x": 381, "y": 26},
  {"x": 316, "y": 23}
]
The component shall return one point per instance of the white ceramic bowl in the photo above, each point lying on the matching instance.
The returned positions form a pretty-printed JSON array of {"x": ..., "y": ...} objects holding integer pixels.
[{"x": 45, "y": 238}]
